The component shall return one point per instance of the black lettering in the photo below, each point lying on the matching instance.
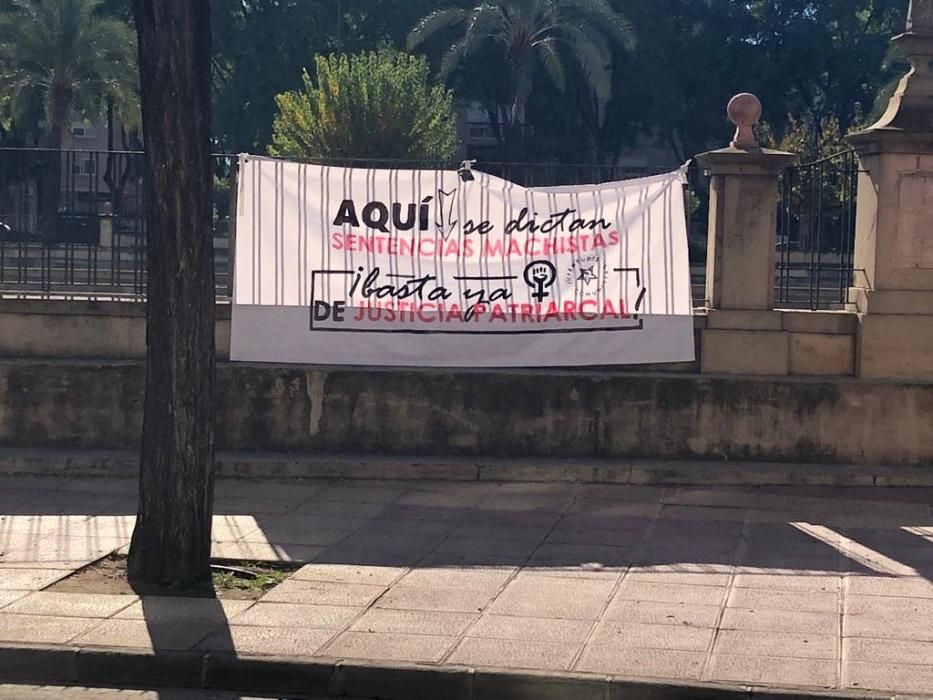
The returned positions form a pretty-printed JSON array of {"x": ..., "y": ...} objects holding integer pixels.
[
  {"x": 376, "y": 215},
  {"x": 347, "y": 214}
]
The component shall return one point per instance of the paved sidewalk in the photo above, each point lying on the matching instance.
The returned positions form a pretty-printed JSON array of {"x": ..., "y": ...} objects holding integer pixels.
[
  {"x": 50, "y": 692},
  {"x": 816, "y": 588}
]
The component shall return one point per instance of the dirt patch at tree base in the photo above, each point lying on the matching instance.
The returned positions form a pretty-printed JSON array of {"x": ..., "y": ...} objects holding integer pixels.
[{"x": 230, "y": 580}]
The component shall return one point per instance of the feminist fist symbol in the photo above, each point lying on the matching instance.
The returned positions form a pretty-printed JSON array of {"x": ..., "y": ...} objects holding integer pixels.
[{"x": 540, "y": 275}]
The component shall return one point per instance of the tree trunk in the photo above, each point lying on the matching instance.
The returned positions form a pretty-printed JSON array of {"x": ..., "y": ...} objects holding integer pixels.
[
  {"x": 50, "y": 196},
  {"x": 171, "y": 541}
]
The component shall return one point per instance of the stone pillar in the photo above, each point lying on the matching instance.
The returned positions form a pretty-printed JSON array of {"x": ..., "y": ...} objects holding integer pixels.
[
  {"x": 893, "y": 284},
  {"x": 744, "y": 333},
  {"x": 105, "y": 227}
]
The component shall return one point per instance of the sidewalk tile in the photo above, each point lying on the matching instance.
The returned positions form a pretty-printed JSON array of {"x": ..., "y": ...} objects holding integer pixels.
[
  {"x": 71, "y": 604},
  {"x": 634, "y": 509},
  {"x": 808, "y": 583},
  {"x": 229, "y": 528},
  {"x": 53, "y": 549},
  {"x": 323, "y": 593},
  {"x": 441, "y": 599},
  {"x": 504, "y": 520},
  {"x": 175, "y": 635},
  {"x": 487, "y": 579},
  {"x": 909, "y": 587},
  {"x": 898, "y": 678},
  {"x": 518, "y": 502},
  {"x": 689, "y": 578},
  {"x": 187, "y": 610},
  {"x": 630, "y": 525},
  {"x": 918, "y": 609},
  {"x": 29, "y": 579},
  {"x": 424, "y": 514},
  {"x": 776, "y": 644},
  {"x": 349, "y": 573},
  {"x": 433, "y": 622},
  {"x": 472, "y": 530},
  {"x": 361, "y": 491},
  {"x": 623, "y": 635},
  {"x": 369, "y": 539},
  {"x": 908, "y": 627},
  {"x": 790, "y": 566},
  {"x": 690, "y": 514},
  {"x": 39, "y": 526},
  {"x": 406, "y": 528},
  {"x": 541, "y": 596},
  {"x": 671, "y": 593},
  {"x": 297, "y": 615},
  {"x": 257, "y": 551},
  {"x": 583, "y": 535},
  {"x": 8, "y": 596},
  {"x": 818, "y": 673},
  {"x": 765, "y": 620},
  {"x": 510, "y": 653},
  {"x": 660, "y": 613},
  {"x": 643, "y": 663},
  {"x": 42, "y": 630},
  {"x": 567, "y": 555},
  {"x": 389, "y": 647},
  {"x": 267, "y": 641},
  {"x": 533, "y": 629},
  {"x": 264, "y": 509},
  {"x": 319, "y": 506},
  {"x": 887, "y": 651},
  {"x": 807, "y": 601},
  {"x": 517, "y": 550},
  {"x": 292, "y": 489}
]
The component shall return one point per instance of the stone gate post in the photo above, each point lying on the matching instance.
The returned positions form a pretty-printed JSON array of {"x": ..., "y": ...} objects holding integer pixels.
[
  {"x": 893, "y": 285},
  {"x": 744, "y": 334}
]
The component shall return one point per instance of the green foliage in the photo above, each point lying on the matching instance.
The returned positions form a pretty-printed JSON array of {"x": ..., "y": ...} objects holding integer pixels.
[
  {"x": 811, "y": 139},
  {"x": 799, "y": 56},
  {"x": 68, "y": 56},
  {"x": 520, "y": 38},
  {"x": 260, "y": 47},
  {"x": 370, "y": 105}
]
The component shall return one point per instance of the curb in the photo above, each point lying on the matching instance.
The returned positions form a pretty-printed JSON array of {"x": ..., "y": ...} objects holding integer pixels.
[
  {"x": 110, "y": 667},
  {"x": 240, "y": 465}
]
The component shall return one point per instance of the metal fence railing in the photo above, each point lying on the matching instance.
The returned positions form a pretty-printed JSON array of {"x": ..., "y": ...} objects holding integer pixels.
[
  {"x": 816, "y": 233},
  {"x": 72, "y": 222}
]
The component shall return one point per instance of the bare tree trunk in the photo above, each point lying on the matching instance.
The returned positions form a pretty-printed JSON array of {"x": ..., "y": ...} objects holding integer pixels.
[{"x": 171, "y": 542}]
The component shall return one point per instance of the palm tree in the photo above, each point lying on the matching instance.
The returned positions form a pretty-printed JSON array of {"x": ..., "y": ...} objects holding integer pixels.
[
  {"x": 527, "y": 35},
  {"x": 68, "y": 56}
]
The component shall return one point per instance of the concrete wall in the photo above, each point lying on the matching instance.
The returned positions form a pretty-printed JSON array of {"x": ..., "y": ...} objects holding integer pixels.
[{"x": 68, "y": 404}]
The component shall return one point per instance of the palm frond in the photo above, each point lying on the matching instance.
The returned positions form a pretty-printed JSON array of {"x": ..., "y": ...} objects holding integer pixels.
[
  {"x": 593, "y": 57},
  {"x": 433, "y": 24},
  {"x": 549, "y": 54}
]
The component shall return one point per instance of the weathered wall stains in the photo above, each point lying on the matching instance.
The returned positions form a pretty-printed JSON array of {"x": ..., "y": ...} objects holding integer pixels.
[{"x": 513, "y": 413}]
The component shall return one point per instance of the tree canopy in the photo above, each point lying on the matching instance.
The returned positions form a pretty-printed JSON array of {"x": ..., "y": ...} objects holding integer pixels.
[
  {"x": 67, "y": 56},
  {"x": 368, "y": 105},
  {"x": 524, "y": 38}
]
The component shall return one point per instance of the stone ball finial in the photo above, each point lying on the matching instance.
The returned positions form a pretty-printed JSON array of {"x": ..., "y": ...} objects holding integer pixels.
[{"x": 744, "y": 111}]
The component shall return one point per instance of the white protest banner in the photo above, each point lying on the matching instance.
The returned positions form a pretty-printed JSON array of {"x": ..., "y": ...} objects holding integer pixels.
[{"x": 419, "y": 268}]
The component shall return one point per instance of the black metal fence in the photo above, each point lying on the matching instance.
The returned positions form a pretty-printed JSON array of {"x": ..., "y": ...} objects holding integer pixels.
[
  {"x": 816, "y": 233},
  {"x": 72, "y": 222}
]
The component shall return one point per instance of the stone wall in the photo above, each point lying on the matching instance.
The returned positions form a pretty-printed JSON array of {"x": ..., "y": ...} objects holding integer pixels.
[
  {"x": 797, "y": 343},
  {"x": 608, "y": 414}
]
